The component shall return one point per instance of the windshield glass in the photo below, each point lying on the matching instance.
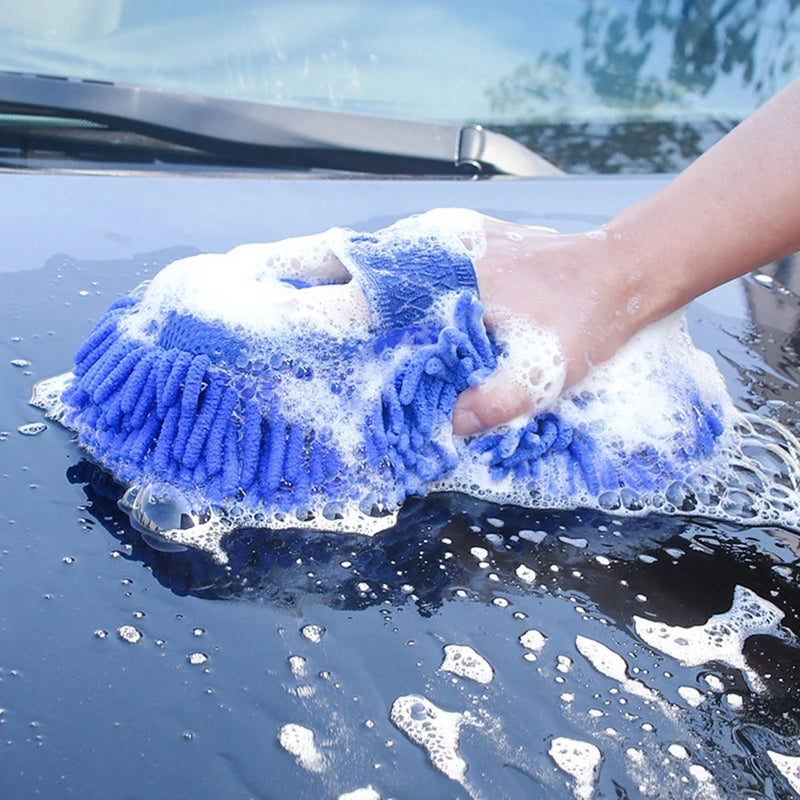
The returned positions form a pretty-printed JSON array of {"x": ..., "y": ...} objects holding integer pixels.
[{"x": 605, "y": 86}]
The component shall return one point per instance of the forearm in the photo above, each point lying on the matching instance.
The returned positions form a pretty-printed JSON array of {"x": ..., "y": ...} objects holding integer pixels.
[{"x": 734, "y": 209}]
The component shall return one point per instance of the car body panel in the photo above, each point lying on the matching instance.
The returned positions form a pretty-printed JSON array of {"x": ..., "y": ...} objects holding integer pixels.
[{"x": 196, "y": 706}]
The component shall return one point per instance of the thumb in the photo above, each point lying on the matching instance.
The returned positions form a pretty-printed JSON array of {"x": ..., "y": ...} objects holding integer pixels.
[{"x": 492, "y": 403}]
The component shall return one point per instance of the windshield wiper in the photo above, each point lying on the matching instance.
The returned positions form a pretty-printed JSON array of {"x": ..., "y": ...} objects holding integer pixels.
[{"x": 262, "y": 134}]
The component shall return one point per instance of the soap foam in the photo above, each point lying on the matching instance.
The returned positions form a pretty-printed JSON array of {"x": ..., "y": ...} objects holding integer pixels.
[
  {"x": 299, "y": 741},
  {"x": 365, "y": 793},
  {"x": 612, "y": 665},
  {"x": 434, "y": 730},
  {"x": 789, "y": 767},
  {"x": 635, "y": 403},
  {"x": 531, "y": 359},
  {"x": 464, "y": 661},
  {"x": 721, "y": 638},
  {"x": 580, "y": 760}
]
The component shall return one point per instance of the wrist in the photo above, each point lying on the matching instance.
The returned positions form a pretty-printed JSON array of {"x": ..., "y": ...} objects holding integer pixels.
[{"x": 618, "y": 287}]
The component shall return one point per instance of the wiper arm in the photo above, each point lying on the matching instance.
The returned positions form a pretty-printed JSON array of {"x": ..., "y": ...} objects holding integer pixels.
[{"x": 265, "y": 134}]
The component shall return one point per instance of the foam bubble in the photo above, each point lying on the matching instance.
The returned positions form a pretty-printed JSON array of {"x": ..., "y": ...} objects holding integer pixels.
[
  {"x": 298, "y": 667},
  {"x": 434, "y": 730},
  {"x": 678, "y": 751},
  {"x": 602, "y": 658},
  {"x": 464, "y": 661},
  {"x": 694, "y": 697},
  {"x": 254, "y": 296},
  {"x": 299, "y": 741},
  {"x": 525, "y": 573},
  {"x": 721, "y": 638},
  {"x": 532, "y": 360},
  {"x": 32, "y": 428},
  {"x": 700, "y": 773},
  {"x": 580, "y": 760},
  {"x": 129, "y": 634}
]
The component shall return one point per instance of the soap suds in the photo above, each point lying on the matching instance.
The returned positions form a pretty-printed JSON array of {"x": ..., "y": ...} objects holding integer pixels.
[
  {"x": 789, "y": 767},
  {"x": 300, "y": 742},
  {"x": 464, "y": 661},
  {"x": 721, "y": 638},
  {"x": 434, "y": 730},
  {"x": 580, "y": 760}
]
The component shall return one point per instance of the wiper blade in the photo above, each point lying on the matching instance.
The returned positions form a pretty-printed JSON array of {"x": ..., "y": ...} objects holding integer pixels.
[{"x": 270, "y": 135}]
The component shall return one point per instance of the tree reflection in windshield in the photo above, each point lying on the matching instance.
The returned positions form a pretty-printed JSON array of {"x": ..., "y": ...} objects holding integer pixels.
[
  {"x": 620, "y": 147},
  {"x": 651, "y": 85}
]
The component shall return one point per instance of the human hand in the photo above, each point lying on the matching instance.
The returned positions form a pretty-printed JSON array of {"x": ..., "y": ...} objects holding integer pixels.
[{"x": 574, "y": 286}]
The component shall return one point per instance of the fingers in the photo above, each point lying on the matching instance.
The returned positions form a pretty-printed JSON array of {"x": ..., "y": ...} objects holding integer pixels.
[{"x": 492, "y": 403}]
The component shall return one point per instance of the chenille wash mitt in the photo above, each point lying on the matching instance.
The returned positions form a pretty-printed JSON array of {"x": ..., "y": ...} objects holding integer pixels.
[{"x": 244, "y": 390}]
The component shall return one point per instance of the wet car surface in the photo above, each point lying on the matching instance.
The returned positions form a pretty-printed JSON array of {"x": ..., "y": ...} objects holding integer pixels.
[{"x": 473, "y": 650}]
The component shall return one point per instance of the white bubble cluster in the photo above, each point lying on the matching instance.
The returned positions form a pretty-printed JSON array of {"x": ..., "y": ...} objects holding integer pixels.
[
  {"x": 464, "y": 661},
  {"x": 610, "y": 664},
  {"x": 694, "y": 697},
  {"x": 434, "y": 730},
  {"x": 312, "y": 632},
  {"x": 525, "y": 573},
  {"x": 300, "y": 742},
  {"x": 789, "y": 767},
  {"x": 32, "y": 428},
  {"x": 580, "y": 760},
  {"x": 365, "y": 793},
  {"x": 129, "y": 634},
  {"x": 533, "y": 640},
  {"x": 721, "y": 638}
]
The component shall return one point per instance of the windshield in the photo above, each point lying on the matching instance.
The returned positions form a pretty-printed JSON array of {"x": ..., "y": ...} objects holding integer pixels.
[{"x": 621, "y": 85}]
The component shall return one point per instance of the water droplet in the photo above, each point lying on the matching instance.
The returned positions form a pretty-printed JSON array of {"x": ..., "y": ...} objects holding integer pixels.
[{"x": 197, "y": 658}]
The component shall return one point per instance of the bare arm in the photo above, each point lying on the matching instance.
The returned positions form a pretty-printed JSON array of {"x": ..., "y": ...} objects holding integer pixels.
[{"x": 737, "y": 207}]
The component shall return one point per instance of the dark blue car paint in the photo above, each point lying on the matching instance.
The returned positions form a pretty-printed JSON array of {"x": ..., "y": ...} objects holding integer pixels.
[{"x": 85, "y": 714}]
